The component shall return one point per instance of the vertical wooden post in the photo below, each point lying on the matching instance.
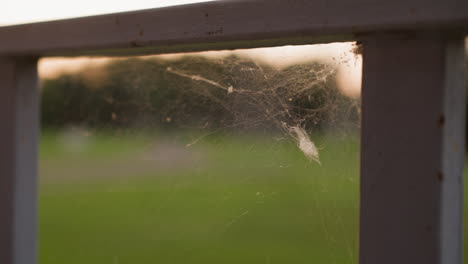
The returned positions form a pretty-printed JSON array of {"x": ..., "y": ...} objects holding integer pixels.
[
  {"x": 19, "y": 126},
  {"x": 412, "y": 155}
]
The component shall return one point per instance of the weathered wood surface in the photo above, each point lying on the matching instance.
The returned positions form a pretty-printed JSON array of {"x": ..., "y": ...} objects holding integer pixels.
[
  {"x": 230, "y": 24},
  {"x": 412, "y": 155},
  {"x": 19, "y": 117}
]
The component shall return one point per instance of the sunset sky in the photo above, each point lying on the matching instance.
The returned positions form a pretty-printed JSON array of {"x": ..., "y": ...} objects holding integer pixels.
[{"x": 27, "y": 11}]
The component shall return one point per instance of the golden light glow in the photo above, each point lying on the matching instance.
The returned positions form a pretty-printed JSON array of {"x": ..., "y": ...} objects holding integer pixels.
[{"x": 349, "y": 65}]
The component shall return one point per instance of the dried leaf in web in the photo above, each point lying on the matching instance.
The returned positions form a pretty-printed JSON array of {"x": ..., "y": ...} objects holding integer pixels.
[{"x": 305, "y": 144}]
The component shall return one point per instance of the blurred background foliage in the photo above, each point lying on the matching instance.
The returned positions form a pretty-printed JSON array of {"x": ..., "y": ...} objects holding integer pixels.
[
  {"x": 146, "y": 196},
  {"x": 245, "y": 193},
  {"x": 142, "y": 93}
]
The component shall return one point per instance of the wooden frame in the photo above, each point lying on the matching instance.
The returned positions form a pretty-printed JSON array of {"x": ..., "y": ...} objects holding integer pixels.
[
  {"x": 412, "y": 149},
  {"x": 413, "y": 104},
  {"x": 230, "y": 24},
  {"x": 19, "y": 113}
]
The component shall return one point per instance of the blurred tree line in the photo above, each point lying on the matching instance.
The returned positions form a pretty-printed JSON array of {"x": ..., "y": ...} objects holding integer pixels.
[{"x": 196, "y": 92}]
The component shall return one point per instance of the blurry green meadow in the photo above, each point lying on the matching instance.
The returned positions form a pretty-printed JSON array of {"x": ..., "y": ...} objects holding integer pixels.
[
  {"x": 150, "y": 198},
  {"x": 126, "y": 178},
  {"x": 196, "y": 160}
]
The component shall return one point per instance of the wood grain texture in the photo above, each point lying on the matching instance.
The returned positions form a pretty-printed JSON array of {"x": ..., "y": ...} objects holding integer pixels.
[
  {"x": 230, "y": 24},
  {"x": 19, "y": 117},
  {"x": 412, "y": 151}
]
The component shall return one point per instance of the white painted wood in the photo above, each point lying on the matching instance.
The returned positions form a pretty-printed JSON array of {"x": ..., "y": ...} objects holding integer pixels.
[
  {"x": 412, "y": 149},
  {"x": 413, "y": 105},
  {"x": 230, "y": 24},
  {"x": 19, "y": 128}
]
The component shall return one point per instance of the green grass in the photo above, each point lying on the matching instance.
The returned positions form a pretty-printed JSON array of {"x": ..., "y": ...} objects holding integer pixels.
[
  {"x": 232, "y": 200},
  {"x": 239, "y": 200}
]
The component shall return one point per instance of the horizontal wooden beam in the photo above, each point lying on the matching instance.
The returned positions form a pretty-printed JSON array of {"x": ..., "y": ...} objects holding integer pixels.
[{"x": 229, "y": 24}]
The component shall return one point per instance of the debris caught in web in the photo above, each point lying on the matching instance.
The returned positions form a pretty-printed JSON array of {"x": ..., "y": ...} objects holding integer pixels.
[{"x": 305, "y": 144}]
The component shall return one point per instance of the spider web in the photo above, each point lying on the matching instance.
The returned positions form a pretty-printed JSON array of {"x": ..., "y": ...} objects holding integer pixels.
[{"x": 292, "y": 100}]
